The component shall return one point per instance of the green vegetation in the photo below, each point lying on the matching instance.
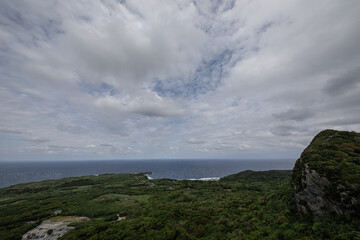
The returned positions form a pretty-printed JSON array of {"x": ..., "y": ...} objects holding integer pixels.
[
  {"x": 248, "y": 205},
  {"x": 336, "y": 156}
]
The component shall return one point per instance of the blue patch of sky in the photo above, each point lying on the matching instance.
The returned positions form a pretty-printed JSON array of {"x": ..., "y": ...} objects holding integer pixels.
[
  {"x": 100, "y": 89},
  {"x": 207, "y": 77}
]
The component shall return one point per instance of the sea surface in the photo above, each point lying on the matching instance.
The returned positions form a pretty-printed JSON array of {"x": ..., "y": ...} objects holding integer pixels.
[{"x": 12, "y": 173}]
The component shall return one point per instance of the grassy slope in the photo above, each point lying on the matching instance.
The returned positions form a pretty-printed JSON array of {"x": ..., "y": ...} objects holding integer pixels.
[{"x": 249, "y": 205}]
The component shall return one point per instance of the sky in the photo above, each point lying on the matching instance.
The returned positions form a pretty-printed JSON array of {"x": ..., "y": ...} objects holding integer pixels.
[{"x": 118, "y": 79}]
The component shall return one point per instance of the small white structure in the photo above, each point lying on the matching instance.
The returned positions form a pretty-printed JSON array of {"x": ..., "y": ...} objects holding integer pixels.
[{"x": 57, "y": 212}]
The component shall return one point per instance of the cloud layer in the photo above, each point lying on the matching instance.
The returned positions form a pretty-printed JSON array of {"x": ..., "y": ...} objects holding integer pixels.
[{"x": 175, "y": 79}]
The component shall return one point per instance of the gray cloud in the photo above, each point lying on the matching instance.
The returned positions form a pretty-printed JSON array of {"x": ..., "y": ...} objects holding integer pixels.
[
  {"x": 106, "y": 145},
  {"x": 10, "y": 131},
  {"x": 296, "y": 115},
  {"x": 213, "y": 78},
  {"x": 36, "y": 139},
  {"x": 284, "y": 130},
  {"x": 195, "y": 141},
  {"x": 343, "y": 84},
  {"x": 344, "y": 121},
  {"x": 76, "y": 129}
]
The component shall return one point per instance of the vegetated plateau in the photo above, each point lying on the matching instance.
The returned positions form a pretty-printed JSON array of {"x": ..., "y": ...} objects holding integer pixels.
[{"x": 318, "y": 200}]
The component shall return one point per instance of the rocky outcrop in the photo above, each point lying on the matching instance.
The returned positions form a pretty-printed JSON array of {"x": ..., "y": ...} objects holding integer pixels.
[
  {"x": 312, "y": 198},
  {"x": 326, "y": 177}
]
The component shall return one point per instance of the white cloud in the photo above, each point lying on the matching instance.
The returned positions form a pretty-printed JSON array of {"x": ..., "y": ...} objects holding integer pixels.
[
  {"x": 148, "y": 104},
  {"x": 173, "y": 79}
]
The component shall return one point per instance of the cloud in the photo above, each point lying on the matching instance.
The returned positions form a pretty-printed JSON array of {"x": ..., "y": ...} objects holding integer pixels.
[
  {"x": 284, "y": 130},
  {"x": 106, "y": 145},
  {"x": 10, "y": 131},
  {"x": 195, "y": 141},
  {"x": 296, "y": 115},
  {"x": 343, "y": 84},
  {"x": 344, "y": 121},
  {"x": 75, "y": 129},
  {"x": 147, "y": 105},
  {"x": 216, "y": 79},
  {"x": 36, "y": 139}
]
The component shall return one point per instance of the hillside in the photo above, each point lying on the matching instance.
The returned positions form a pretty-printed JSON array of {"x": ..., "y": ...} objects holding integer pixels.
[
  {"x": 151, "y": 209},
  {"x": 249, "y": 176},
  {"x": 248, "y": 205},
  {"x": 326, "y": 177}
]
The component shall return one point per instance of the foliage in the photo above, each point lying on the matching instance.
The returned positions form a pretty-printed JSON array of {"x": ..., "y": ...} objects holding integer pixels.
[
  {"x": 248, "y": 205},
  {"x": 335, "y": 155}
]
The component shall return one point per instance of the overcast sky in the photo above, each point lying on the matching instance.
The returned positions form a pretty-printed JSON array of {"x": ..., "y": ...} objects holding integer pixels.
[{"x": 175, "y": 79}]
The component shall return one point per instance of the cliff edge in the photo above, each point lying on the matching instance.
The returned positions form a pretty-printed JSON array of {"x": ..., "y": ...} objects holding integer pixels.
[{"x": 326, "y": 178}]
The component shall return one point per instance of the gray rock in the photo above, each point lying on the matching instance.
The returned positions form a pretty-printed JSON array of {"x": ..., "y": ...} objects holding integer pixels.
[{"x": 313, "y": 198}]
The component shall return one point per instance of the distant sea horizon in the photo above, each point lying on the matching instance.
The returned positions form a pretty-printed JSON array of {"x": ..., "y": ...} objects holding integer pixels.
[{"x": 12, "y": 173}]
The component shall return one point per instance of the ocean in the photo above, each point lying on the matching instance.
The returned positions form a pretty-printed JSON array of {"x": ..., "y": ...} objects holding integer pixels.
[{"x": 12, "y": 173}]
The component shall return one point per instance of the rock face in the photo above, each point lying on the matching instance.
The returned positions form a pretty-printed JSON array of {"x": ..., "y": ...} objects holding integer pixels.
[
  {"x": 326, "y": 178},
  {"x": 312, "y": 197}
]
